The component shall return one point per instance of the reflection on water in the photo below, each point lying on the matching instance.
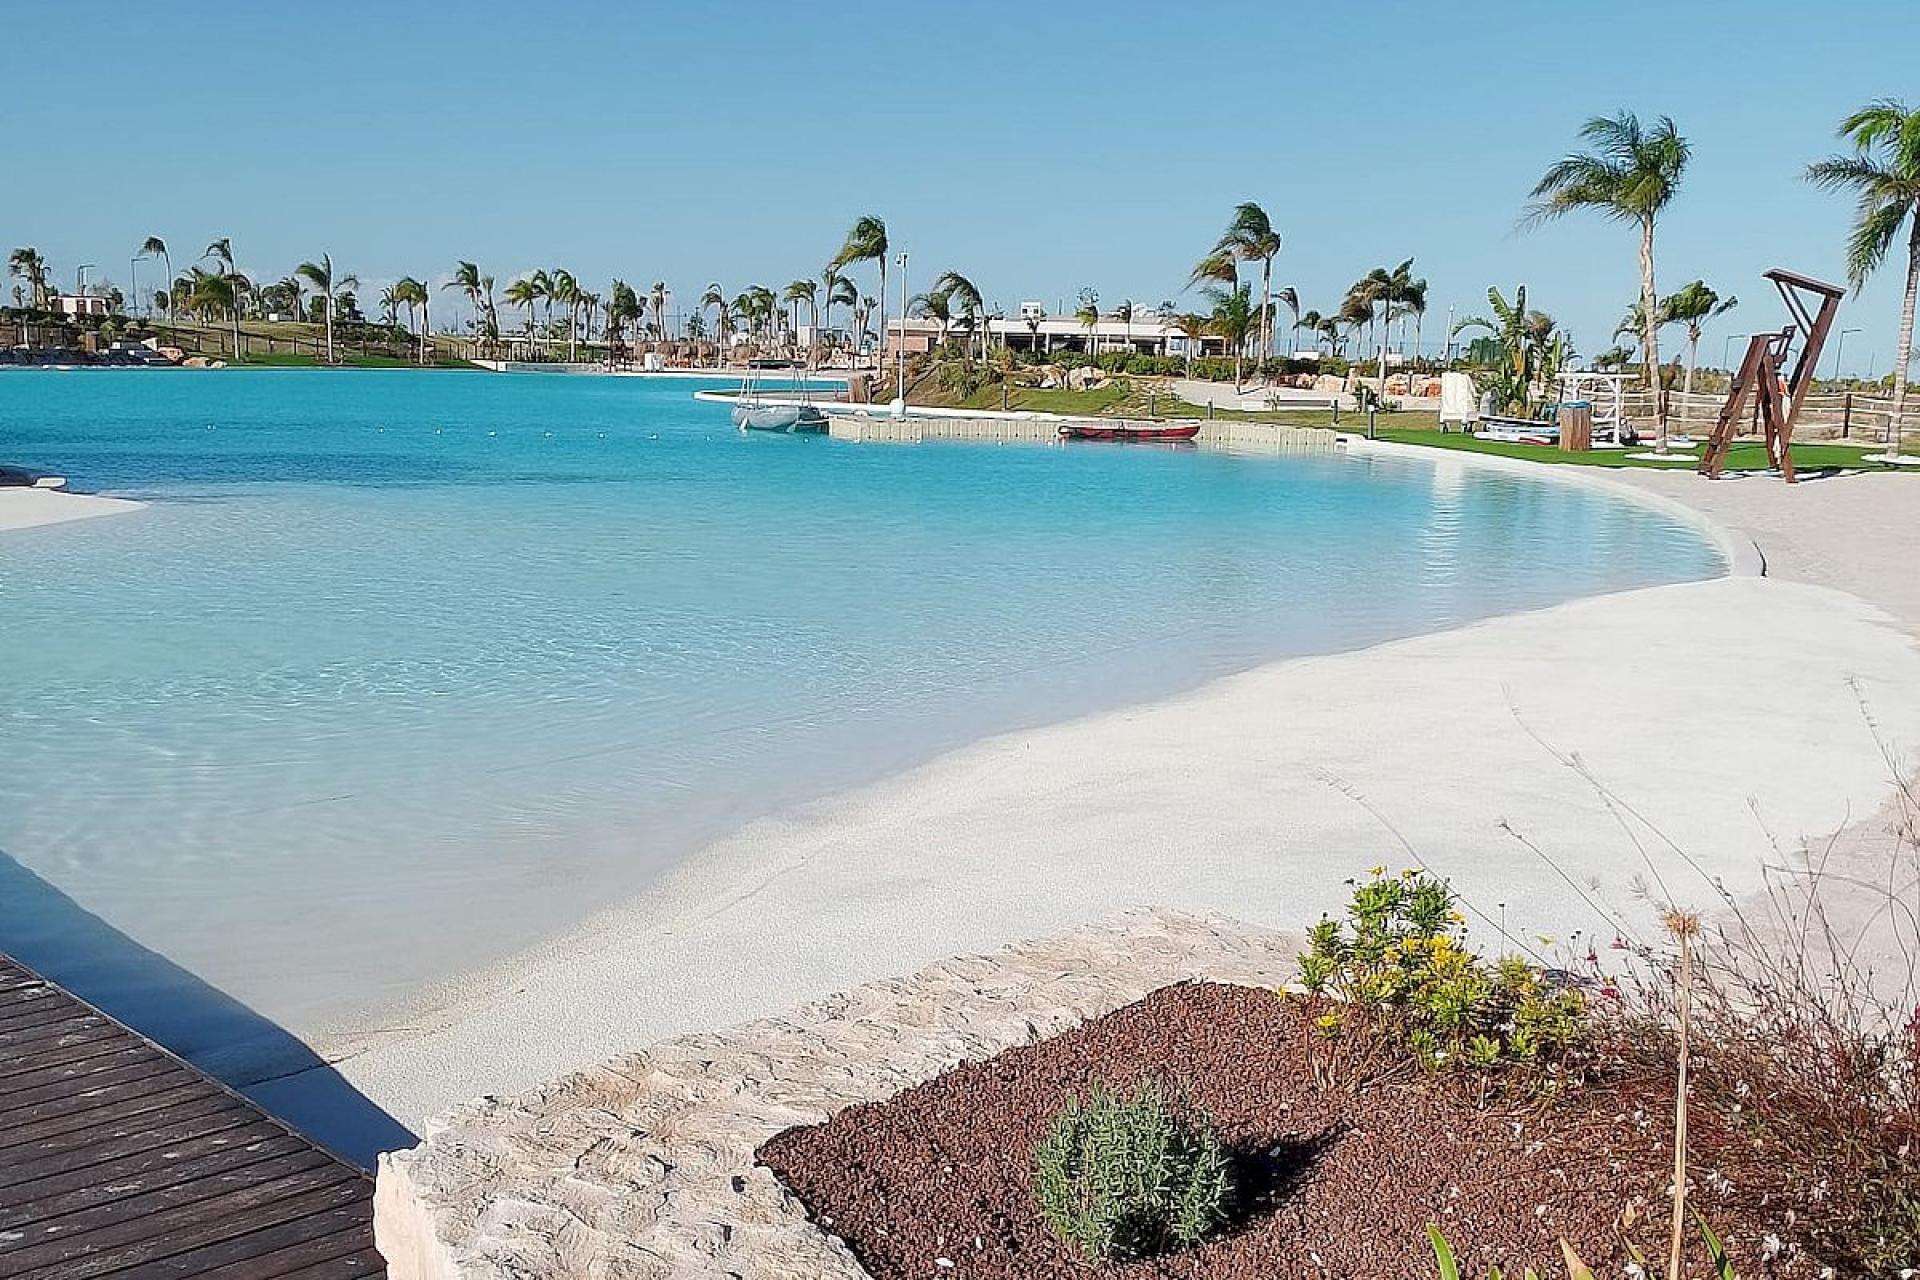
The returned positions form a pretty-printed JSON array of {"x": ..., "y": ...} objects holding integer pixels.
[{"x": 403, "y": 671}]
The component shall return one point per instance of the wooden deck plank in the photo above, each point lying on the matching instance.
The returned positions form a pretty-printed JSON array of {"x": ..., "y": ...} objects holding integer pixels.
[
  {"x": 231, "y": 1218},
  {"x": 118, "y": 1159},
  {"x": 76, "y": 1071},
  {"x": 129, "y": 1142},
  {"x": 113, "y": 1180},
  {"x": 335, "y": 1241},
  {"x": 138, "y": 1216},
  {"x": 12, "y": 1042},
  {"x": 71, "y": 1047},
  {"x": 80, "y": 1128},
  {"x": 127, "y": 1085}
]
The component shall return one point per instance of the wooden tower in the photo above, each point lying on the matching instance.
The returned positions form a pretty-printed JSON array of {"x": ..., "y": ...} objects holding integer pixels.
[{"x": 1760, "y": 388}]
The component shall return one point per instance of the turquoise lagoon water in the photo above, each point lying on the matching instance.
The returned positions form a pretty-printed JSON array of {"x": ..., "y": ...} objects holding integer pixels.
[{"x": 401, "y": 672}]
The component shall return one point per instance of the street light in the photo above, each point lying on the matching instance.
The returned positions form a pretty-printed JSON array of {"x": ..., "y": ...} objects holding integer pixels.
[
  {"x": 1725, "y": 346},
  {"x": 1838, "y": 347},
  {"x": 900, "y": 378}
]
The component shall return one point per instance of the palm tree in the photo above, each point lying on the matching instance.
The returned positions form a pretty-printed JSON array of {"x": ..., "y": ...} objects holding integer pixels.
[
  {"x": 390, "y": 302},
  {"x": 808, "y": 291},
  {"x": 964, "y": 297},
  {"x": 623, "y": 304},
  {"x": 1390, "y": 292},
  {"x": 845, "y": 292},
  {"x": 1233, "y": 319},
  {"x": 1693, "y": 304},
  {"x": 322, "y": 277},
  {"x": 155, "y": 247},
  {"x": 1088, "y": 314},
  {"x": 935, "y": 306},
  {"x": 1291, "y": 297},
  {"x": 1413, "y": 302},
  {"x": 659, "y": 295},
  {"x": 1631, "y": 175},
  {"x": 1124, "y": 314},
  {"x": 1218, "y": 268},
  {"x": 221, "y": 254},
  {"x": 1311, "y": 322},
  {"x": 28, "y": 265},
  {"x": 1250, "y": 237},
  {"x": 526, "y": 291},
  {"x": 716, "y": 298},
  {"x": 466, "y": 278},
  {"x": 413, "y": 293},
  {"x": 867, "y": 242},
  {"x": 210, "y": 293},
  {"x": 1888, "y": 186},
  {"x": 1632, "y": 325},
  {"x": 563, "y": 290},
  {"x": 1192, "y": 326}
]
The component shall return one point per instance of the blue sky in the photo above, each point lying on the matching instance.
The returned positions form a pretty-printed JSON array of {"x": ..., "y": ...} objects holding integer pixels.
[{"x": 1036, "y": 147}]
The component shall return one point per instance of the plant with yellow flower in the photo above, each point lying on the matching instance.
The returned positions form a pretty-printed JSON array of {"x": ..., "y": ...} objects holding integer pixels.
[{"x": 1397, "y": 967}]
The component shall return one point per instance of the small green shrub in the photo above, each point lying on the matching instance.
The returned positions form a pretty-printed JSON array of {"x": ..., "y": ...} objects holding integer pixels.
[
  {"x": 1130, "y": 1175},
  {"x": 1399, "y": 964}
]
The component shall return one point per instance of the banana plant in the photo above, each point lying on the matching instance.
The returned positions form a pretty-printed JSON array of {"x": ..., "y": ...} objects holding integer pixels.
[{"x": 1523, "y": 353}]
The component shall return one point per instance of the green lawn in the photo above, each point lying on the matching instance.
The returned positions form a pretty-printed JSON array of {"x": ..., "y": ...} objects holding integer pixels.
[
  {"x": 1116, "y": 399},
  {"x": 1743, "y": 456}
]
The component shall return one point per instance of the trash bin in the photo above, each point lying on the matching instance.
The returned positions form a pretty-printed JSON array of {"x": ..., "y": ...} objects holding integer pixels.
[{"x": 1576, "y": 426}]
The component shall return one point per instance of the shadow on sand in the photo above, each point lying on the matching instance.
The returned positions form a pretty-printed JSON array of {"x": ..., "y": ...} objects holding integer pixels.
[{"x": 46, "y": 930}]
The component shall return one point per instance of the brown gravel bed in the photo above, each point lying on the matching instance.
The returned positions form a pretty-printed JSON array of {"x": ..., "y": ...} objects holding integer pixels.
[{"x": 937, "y": 1181}]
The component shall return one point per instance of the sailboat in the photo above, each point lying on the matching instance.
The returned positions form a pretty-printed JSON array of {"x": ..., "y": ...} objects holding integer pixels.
[{"x": 751, "y": 413}]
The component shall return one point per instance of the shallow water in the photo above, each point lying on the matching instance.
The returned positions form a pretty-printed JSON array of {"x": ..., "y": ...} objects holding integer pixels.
[{"x": 403, "y": 671}]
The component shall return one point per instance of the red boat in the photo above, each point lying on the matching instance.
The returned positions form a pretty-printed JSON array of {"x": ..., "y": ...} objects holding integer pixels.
[{"x": 1122, "y": 431}]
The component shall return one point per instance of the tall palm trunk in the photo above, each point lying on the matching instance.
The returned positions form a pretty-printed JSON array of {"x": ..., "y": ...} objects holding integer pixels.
[
  {"x": 1903, "y": 348},
  {"x": 1386, "y": 331},
  {"x": 426, "y": 326},
  {"x": 1266, "y": 309},
  {"x": 1693, "y": 355},
  {"x": 329, "y": 326},
  {"x": 1649, "y": 334}
]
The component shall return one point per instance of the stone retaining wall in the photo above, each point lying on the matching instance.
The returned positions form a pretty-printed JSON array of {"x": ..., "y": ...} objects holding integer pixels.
[
  {"x": 644, "y": 1166},
  {"x": 916, "y": 429}
]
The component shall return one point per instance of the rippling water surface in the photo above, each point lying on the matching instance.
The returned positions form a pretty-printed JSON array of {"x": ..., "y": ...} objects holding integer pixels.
[{"x": 402, "y": 671}]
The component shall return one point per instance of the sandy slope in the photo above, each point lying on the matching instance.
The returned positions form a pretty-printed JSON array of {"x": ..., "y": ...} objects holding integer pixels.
[
  {"x": 22, "y": 507},
  {"x": 1257, "y": 795}
]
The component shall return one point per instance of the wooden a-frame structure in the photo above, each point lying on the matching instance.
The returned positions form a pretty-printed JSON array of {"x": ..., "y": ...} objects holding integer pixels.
[{"x": 1775, "y": 399}]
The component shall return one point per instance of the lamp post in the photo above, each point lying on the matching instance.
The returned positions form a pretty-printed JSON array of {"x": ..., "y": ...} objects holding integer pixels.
[
  {"x": 1725, "y": 347},
  {"x": 900, "y": 377},
  {"x": 1838, "y": 347}
]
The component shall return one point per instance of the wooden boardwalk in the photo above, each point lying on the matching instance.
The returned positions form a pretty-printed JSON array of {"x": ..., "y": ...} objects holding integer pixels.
[{"x": 118, "y": 1159}]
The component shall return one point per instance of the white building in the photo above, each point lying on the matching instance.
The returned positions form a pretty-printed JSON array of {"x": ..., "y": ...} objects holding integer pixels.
[
  {"x": 79, "y": 304},
  {"x": 1034, "y": 330}
]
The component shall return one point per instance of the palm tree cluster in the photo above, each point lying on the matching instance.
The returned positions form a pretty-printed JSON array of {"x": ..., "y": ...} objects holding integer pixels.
[{"x": 1631, "y": 174}]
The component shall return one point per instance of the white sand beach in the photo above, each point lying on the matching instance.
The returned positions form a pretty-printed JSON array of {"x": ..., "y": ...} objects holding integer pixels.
[
  {"x": 27, "y": 507},
  {"x": 1558, "y": 766}
]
